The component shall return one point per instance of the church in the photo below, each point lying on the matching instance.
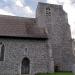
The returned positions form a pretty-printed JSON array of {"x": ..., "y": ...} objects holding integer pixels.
[{"x": 36, "y": 45}]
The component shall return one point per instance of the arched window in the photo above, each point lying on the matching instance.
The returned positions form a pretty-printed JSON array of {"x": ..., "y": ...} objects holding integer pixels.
[
  {"x": 25, "y": 67},
  {"x": 1, "y": 51}
]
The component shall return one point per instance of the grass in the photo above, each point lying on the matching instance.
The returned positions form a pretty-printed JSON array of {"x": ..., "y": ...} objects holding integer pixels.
[{"x": 56, "y": 73}]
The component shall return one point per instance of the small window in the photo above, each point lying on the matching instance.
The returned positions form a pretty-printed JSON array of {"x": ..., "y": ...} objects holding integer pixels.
[
  {"x": 48, "y": 11},
  {"x": 1, "y": 51}
]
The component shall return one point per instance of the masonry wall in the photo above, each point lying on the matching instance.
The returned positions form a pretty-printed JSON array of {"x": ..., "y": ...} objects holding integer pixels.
[
  {"x": 55, "y": 21},
  {"x": 16, "y": 49}
]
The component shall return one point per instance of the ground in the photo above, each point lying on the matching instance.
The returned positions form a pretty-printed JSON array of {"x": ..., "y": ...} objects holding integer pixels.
[{"x": 57, "y": 73}]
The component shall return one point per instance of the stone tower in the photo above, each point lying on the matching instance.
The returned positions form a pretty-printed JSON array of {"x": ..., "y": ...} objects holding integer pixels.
[{"x": 55, "y": 21}]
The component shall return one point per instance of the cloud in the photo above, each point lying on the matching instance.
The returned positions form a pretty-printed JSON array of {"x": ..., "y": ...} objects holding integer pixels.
[
  {"x": 23, "y": 10},
  {"x": 6, "y": 12},
  {"x": 17, "y": 7},
  {"x": 27, "y": 8},
  {"x": 40, "y": 0},
  {"x": 19, "y": 3},
  {"x": 29, "y": 12},
  {"x": 52, "y": 1}
]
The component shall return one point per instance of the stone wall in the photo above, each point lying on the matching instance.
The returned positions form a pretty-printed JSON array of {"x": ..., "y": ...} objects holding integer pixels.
[
  {"x": 16, "y": 49},
  {"x": 54, "y": 19}
]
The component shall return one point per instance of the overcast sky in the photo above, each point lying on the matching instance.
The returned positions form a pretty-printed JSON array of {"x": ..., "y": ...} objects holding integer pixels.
[{"x": 27, "y": 8}]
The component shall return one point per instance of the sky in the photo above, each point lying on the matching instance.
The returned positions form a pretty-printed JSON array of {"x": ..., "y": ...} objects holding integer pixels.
[{"x": 27, "y": 8}]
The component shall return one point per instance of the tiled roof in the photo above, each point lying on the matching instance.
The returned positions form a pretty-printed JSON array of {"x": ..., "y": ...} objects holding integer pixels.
[{"x": 20, "y": 27}]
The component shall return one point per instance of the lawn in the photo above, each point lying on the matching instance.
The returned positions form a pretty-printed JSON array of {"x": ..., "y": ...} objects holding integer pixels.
[{"x": 57, "y": 73}]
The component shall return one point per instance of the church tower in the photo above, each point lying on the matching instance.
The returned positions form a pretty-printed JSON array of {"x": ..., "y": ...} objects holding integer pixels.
[{"x": 54, "y": 20}]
